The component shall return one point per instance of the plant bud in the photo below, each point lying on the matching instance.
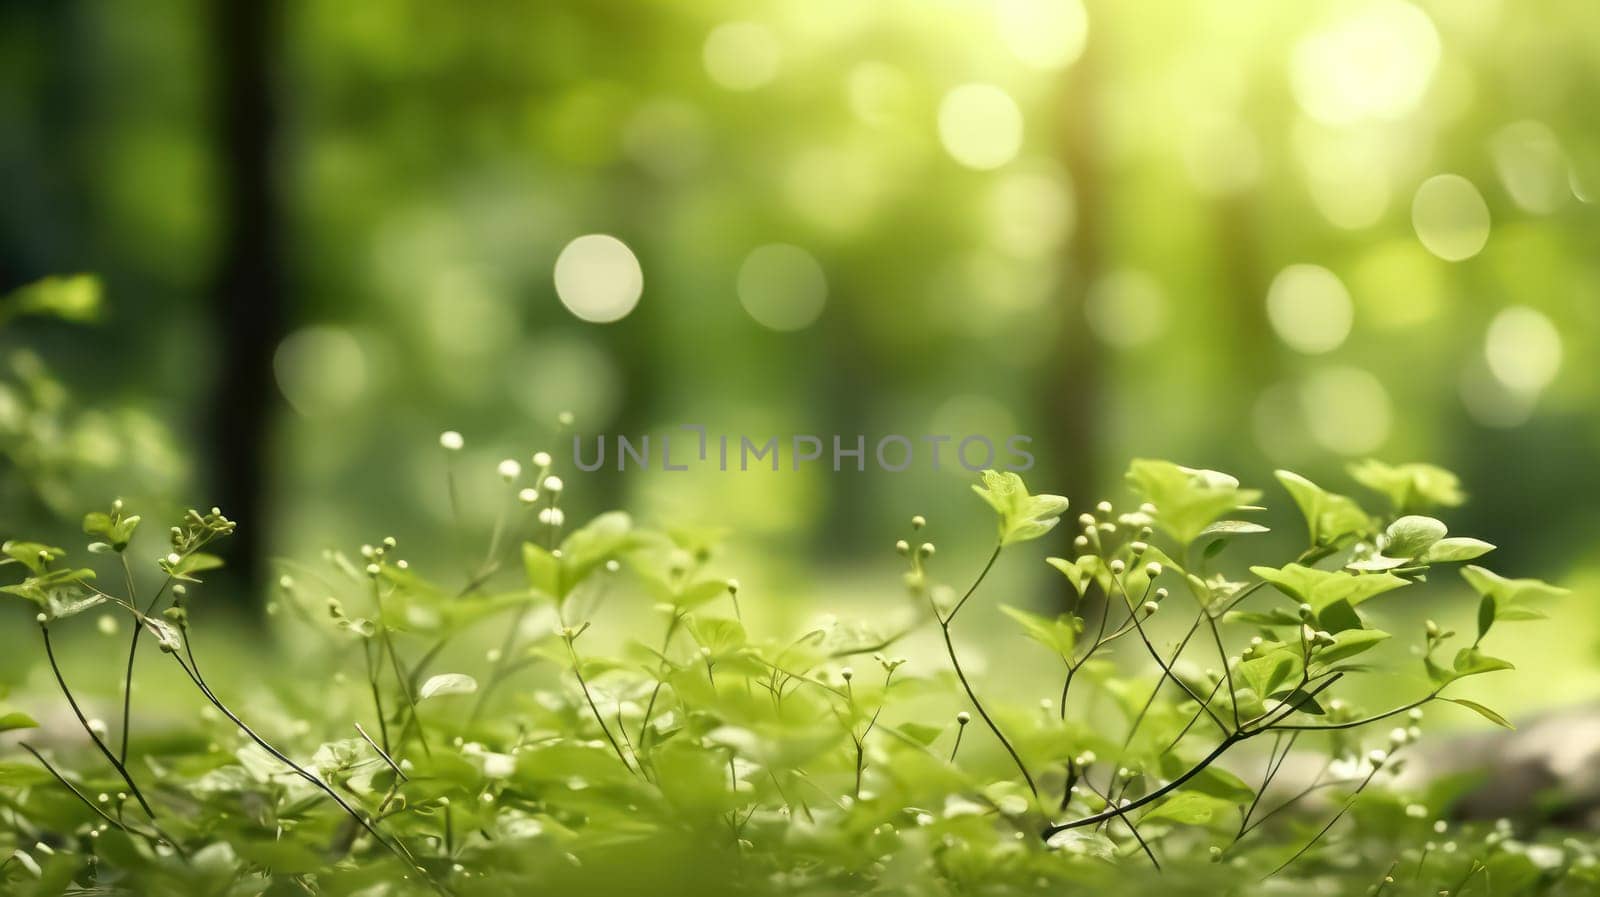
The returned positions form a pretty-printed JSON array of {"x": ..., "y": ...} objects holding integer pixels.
[
  {"x": 451, "y": 441},
  {"x": 918, "y": 522},
  {"x": 1139, "y": 548},
  {"x": 1103, "y": 507},
  {"x": 1080, "y": 543},
  {"x": 1086, "y": 521},
  {"x": 553, "y": 484},
  {"x": 1117, "y": 566},
  {"x": 847, "y": 674},
  {"x": 925, "y": 549},
  {"x": 1152, "y": 569},
  {"x": 902, "y": 546},
  {"x": 541, "y": 460},
  {"x": 963, "y": 718}
]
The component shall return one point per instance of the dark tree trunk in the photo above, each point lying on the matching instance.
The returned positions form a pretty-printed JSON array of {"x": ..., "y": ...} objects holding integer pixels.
[
  {"x": 248, "y": 294},
  {"x": 1073, "y": 386}
]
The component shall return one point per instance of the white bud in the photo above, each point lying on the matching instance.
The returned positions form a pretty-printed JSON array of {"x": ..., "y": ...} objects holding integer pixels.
[
  {"x": 528, "y": 496},
  {"x": 1117, "y": 566},
  {"x": 541, "y": 459},
  {"x": 174, "y": 558},
  {"x": 1081, "y": 542},
  {"x": 963, "y": 718},
  {"x": 1150, "y": 607},
  {"x": 613, "y": 565},
  {"x": 918, "y": 522},
  {"x": 450, "y": 440},
  {"x": 1139, "y": 548},
  {"x": 553, "y": 484},
  {"x": 1152, "y": 569},
  {"x": 1086, "y": 521},
  {"x": 1377, "y": 757},
  {"x": 847, "y": 674},
  {"x": 1103, "y": 507},
  {"x": 509, "y": 470}
]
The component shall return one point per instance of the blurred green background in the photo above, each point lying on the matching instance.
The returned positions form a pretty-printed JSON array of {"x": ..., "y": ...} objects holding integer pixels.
[{"x": 1242, "y": 236}]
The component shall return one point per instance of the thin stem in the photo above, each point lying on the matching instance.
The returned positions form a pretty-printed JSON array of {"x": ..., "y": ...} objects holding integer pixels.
[
  {"x": 1331, "y": 823},
  {"x": 158, "y": 837},
  {"x": 583, "y": 684},
  {"x": 117, "y": 764},
  {"x": 955, "y": 663}
]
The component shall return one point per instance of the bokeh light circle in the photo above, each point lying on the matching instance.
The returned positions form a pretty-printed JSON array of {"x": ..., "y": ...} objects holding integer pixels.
[
  {"x": 980, "y": 126},
  {"x": 320, "y": 370},
  {"x": 598, "y": 278},
  {"x": 1309, "y": 309},
  {"x": 1126, "y": 308},
  {"x": 1375, "y": 61},
  {"x": 1523, "y": 349},
  {"x": 1043, "y": 34},
  {"x": 782, "y": 287},
  {"x": 1347, "y": 410},
  {"x": 741, "y": 55},
  {"x": 1450, "y": 217}
]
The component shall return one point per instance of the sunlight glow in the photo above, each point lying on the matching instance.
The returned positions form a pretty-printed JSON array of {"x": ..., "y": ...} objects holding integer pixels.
[
  {"x": 598, "y": 278},
  {"x": 980, "y": 126},
  {"x": 1043, "y": 34},
  {"x": 1310, "y": 309},
  {"x": 1450, "y": 217},
  {"x": 741, "y": 55},
  {"x": 782, "y": 287},
  {"x": 1374, "y": 61}
]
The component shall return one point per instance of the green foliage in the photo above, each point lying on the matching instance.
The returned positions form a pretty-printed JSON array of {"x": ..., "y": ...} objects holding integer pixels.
[{"x": 764, "y": 762}]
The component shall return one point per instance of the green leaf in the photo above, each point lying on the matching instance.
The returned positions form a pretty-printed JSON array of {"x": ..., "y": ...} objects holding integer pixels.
[
  {"x": 73, "y": 297},
  {"x": 543, "y": 570},
  {"x": 1454, "y": 549},
  {"x": 1410, "y": 487},
  {"x": 1321, "y": 588},
  {"x": 190, "y": 564},
  {"x": 1021, "y": 516},
  {"x": 1080, "y": 572},
  {"x": 1330, "y": 518},
  {"x": 1189, "y": 808},
  {"x": 1471, "y": 662},
  {"x": 1059, "y": 635},
  {"x": 447, "y": 684},
  {"x": 1504, "y": 599},
  {"x": 1266, "y": 674},
  {"x": 1411, "y": 536},
  {"x": 33, "y": 555},
  {"x": 1486, "y": 615},
  {"x": 1349, "y": 643},
  {"x": 1482, "y": 711},
  {"x": 1187, "y": 499},
  {"x": 14, "y": 720}
]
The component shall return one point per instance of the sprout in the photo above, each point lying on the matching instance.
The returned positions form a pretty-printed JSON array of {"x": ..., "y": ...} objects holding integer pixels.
[
  {"x": 451, "y": 441},
  {"x": 509, "y": 470}
]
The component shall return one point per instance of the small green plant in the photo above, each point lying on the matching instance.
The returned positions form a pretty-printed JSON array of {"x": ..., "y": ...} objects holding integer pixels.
[{"x": 703, "y": 757}]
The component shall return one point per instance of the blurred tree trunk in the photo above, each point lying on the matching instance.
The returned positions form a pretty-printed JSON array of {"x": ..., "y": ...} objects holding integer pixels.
[
  {"x": 248, "y": 291},
  {"x": 1072, "y": 391}
]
